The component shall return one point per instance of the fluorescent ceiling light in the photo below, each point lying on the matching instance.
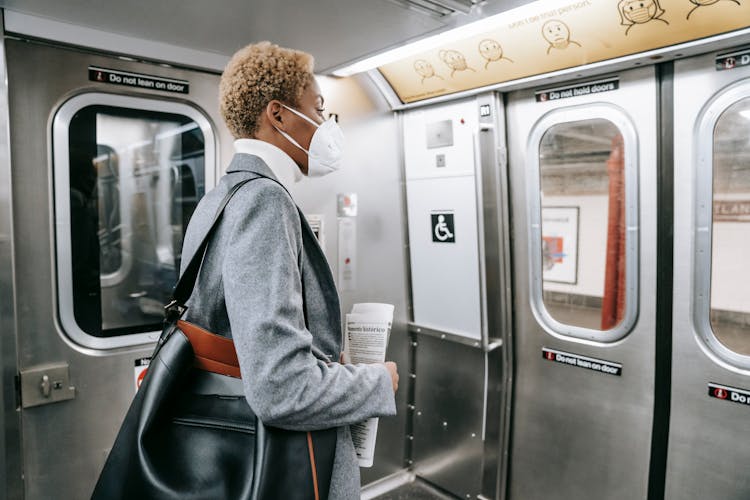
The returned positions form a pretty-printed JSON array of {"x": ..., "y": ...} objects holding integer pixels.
[{"x": 461, "y": 33}]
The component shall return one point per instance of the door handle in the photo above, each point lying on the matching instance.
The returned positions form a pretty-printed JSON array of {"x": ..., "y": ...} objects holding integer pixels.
[
  {"x": 45, "y": 386},
  {"x": 41, "y": 385}
]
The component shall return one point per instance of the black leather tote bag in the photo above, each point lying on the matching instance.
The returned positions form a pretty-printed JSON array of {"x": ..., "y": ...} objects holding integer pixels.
[{"x": 190, "y": 434}]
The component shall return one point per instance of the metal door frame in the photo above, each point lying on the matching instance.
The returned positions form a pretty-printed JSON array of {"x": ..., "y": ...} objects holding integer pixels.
[
  {"x": 495, "y": 264},
  {"x": 579, "y": 112},
  {"x": 703, "y": 224},
  {"x": 63, "y": 115},
  {"x": 11, "y": 471}
]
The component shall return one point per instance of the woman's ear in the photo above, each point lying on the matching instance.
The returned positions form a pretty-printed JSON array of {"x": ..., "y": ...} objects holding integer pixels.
[{"x": 274, "y": 114}]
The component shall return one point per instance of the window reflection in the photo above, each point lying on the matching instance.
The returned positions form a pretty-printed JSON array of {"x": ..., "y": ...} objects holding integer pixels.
[
  {"x": 730, "y": 266},
  {"x": 110, "y": 223},
  {"x": 135, "y": 179},
  {"x": 582, "y": 173}
]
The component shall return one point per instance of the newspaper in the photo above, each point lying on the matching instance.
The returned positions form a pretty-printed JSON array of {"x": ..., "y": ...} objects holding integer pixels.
[{"x": 368, "y": 328}]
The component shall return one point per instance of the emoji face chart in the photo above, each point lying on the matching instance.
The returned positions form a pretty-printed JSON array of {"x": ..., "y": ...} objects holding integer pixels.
[
  {"x": 705, "y": 3},
  {"x": 634, "y": 12},
  {"x": 545, "y": 36},
  {"x": 557, "y": 35},
  {"x": 425, "y": 70},
  {"x": 454, "y": 60},
  {"x": 491, "y": 51}
]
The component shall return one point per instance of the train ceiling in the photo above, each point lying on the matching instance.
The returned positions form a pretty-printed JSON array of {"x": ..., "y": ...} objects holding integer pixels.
[{"x": 336, "y": 32}]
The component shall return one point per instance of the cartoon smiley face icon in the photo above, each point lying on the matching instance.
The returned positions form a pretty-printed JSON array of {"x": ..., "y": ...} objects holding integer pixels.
[
  {"x": 634, "y": 12},
  {"x": 425, "y": 70},
  {"x": 705, "y": 3},
  {"x": 557, "y": 35},
  {"x": 491, "y": 51},
  {"x": 454, "y": 60}
]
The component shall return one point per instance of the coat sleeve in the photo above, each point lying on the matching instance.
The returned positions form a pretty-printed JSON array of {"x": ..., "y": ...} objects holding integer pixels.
[{"x": 285, "y": 385}]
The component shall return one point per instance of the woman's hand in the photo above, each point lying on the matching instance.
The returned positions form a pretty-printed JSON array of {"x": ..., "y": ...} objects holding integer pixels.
[
  {"x": 393, "y": 371},
  {"x": 389, "y": 365}
]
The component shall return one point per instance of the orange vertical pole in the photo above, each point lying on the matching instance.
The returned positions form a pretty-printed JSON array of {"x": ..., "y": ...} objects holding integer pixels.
[{"x": 613, "y": 302}]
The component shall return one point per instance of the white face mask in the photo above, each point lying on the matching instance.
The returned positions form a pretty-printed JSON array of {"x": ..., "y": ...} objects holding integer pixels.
[{"x": 324, "y": 155}]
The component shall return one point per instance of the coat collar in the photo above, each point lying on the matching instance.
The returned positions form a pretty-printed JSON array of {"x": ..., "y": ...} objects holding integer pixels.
[{"x": 242, "y": 162}]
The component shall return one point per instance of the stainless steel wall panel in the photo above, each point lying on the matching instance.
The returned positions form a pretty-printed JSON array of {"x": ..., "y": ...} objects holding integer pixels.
[{"x": 449, "y": 415}]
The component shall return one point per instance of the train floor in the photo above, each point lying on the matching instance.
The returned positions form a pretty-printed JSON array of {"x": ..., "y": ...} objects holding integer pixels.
[{"x": 416, "y": 490}]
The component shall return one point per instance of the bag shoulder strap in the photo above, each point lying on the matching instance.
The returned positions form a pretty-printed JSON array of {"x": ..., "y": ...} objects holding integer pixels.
[{"x": 185, "y": 284}]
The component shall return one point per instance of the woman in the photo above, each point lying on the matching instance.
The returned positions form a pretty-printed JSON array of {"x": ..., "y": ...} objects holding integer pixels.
[{"x": 265, "y": 282}]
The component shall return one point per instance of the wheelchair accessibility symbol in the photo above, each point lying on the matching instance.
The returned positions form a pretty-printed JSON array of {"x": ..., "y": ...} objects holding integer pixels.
[{"x": 443, "y": 228}]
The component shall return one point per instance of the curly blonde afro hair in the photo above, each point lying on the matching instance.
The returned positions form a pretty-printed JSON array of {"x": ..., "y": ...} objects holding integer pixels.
[{"x": 256, "y": 75}]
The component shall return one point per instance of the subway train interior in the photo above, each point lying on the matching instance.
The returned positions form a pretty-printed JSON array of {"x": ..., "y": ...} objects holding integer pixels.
[{"x": 554, "y": 195}]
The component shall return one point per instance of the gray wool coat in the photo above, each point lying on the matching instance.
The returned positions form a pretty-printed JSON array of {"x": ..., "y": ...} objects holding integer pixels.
[{"x": 263, "y": 273}]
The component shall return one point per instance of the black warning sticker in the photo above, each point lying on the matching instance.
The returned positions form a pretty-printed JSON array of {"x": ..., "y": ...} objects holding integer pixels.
[
  {"x": 731, "y": 394},
  {"x": 578, "y": 90},
  {"x": 733, "y": 60},
  {"x": 116, "y": 77},
  {"x": 597, "y": 365}
]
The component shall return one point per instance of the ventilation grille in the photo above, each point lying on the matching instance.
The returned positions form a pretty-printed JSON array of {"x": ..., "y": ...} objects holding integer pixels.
[{"x": 438, "y": 8}]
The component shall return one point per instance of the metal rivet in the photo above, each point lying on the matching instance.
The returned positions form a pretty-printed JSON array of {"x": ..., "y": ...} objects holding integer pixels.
[
  {"x": 413, "y": 375},
  {"x": 419, "y": 413},
  {"x": 473, "y": 434},
  {"x": 445, "y": 424}
]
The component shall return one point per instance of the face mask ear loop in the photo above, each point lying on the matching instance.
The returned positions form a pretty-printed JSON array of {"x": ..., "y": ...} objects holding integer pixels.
[
  {"x": 289, "y": 138},
  {"x": 302, "y": 115}
]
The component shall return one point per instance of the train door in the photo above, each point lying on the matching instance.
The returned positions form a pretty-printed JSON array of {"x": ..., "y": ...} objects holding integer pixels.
[
  {"x": 710, "y": 405},
  {"x": 109, "y": 158},
  {"x": 583, "y": 181}
]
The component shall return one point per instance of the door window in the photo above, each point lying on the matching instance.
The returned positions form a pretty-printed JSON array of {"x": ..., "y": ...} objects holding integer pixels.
[
  {"x": 583, "y": 240},
  {"x": 730, "y": 235},
  {"x": 129, "y": 173}
]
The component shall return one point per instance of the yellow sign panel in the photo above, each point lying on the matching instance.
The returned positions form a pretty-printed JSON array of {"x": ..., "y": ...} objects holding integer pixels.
[{"x": 547, "y": 36}]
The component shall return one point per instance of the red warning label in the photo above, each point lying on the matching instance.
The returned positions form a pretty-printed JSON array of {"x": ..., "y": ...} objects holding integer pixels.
[
  {"x": 139, "y": 371},
  {"x": 727, "y": 393}
]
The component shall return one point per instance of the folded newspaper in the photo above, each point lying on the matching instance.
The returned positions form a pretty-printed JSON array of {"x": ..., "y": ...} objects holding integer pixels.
[{"x": 368, "y": 328}]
